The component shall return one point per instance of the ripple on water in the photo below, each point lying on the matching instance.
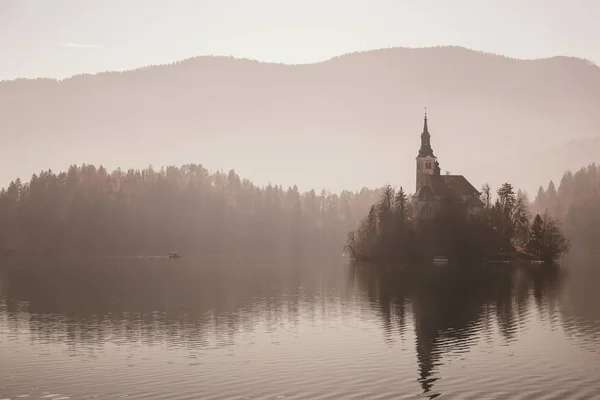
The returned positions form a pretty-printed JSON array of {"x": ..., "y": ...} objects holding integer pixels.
[{"x": 369, "y": 340}]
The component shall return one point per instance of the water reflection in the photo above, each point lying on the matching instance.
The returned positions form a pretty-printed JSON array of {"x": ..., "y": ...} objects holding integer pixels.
[
  {"x": 156, "y": 303},
  {"x": 442, "y": 314},
  {"x": 580, "y": 308},
  {"x": 453, "y": 309}
]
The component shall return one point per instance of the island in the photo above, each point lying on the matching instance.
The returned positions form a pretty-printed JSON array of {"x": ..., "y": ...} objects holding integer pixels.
[{"x": 448, "y": 219}]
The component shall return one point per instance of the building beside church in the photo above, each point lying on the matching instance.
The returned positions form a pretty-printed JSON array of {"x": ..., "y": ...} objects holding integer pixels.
[{"x": 433, "y": 188}]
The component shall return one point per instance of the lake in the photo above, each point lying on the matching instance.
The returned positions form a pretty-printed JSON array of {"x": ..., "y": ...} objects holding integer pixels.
[{"x": 234, "y": 328}]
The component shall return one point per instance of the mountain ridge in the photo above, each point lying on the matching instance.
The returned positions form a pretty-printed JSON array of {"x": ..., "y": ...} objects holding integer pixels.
[
  {"x": 584, "y": 61},
  {"x": 348, "y": 122}
]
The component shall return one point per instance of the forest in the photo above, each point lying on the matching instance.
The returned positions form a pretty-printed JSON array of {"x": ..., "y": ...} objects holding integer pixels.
[
  {"x": 88, "y": 210},
  {"x": 576, "y": 202},
  {"x": 505, "y": 227}
]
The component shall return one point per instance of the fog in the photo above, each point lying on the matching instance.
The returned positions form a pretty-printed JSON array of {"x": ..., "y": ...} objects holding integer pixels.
[
  {"x": 309, "y": 200},
  {"x": 349, "y": 122}
]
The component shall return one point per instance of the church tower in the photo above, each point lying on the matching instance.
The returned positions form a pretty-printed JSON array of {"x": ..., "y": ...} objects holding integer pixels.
[{"x": 426, "y": 161}]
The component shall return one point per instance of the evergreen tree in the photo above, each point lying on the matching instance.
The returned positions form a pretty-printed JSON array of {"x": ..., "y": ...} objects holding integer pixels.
[
  {"x": 547, "y": 240},
  {"x": 89, "y": 210}
]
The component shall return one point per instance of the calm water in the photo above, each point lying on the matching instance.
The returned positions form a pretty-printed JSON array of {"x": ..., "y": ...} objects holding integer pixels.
[{"x": 235, "y": 329}]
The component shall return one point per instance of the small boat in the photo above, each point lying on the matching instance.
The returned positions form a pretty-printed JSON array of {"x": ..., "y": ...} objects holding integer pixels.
[
  {"x": 174, "y": 254},
  {"x": 440, "y": 260}
]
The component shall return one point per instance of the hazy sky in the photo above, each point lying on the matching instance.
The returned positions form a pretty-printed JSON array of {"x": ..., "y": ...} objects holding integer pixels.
[{"x": 60, "y": 38}]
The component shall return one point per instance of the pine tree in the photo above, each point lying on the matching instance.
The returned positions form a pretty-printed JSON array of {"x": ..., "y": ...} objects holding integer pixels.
[{"x": 401, "y": 205}]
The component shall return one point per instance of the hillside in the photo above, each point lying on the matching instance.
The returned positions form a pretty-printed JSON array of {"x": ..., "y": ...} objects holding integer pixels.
[{"x": 344, "y": 123}]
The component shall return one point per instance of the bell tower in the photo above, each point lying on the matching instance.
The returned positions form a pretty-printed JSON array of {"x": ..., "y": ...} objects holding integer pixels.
[{"x": 426, "y": 161}]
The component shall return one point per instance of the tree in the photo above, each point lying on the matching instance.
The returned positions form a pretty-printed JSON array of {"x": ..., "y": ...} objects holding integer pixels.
[
  {"x": 536, "y": 235},
  {"x": 510, "y": 216},
  {"x": 386, "y": 218},
  {"x": 521, "y": 195},
  {"x": 520, "y": 222},
  {"x": 506, "y": 197},
  {"x": 384, "y": 233},
  {"x": 547, "y": 240},
  {"x": 502, "y": 210},
  {"x": 89, "y": 210},
  {"x": 401, "y": 206},
  {"x": 539, "y": 204},
  {"x": 486, "y": 196},
  {"x": 575, "y": 202},
  {"x": 554, "y": 243},
  {"x": 552, "y": 203}
]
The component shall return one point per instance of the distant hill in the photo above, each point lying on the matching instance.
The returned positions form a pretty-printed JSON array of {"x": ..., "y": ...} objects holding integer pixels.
[
  {"x": 347, "y": 122},
  {"x": 572, "y": 156}
]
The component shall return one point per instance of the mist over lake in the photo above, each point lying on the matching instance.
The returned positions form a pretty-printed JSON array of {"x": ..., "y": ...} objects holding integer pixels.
[
  {"x": 316, "y": 200},
  {"x": 228, "y": 327}
]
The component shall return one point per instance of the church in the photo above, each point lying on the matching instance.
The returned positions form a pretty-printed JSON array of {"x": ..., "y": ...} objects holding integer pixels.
[{"x": 433, "y": 188}]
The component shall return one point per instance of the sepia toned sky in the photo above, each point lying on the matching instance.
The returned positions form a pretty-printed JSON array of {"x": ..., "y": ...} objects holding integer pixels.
[{"x": 60, "y": 38}]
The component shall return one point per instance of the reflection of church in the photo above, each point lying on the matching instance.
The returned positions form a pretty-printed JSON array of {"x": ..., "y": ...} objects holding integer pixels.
[
  {"x": 433, "y": 188},
  {"x": 451, "y": 310}
]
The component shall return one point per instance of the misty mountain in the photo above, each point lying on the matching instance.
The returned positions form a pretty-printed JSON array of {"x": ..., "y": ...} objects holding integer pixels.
[
  {"x": 348, "y": 122},
  {"x": 572, "y": 155}
]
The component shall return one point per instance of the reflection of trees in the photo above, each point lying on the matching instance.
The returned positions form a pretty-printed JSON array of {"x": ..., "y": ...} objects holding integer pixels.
[
  {"x": 181, "y": 305},
  {"x": 579, "y": 308},
  {"x": 452, "y": 309},
  {"x": 385, "y": 292},
  {"x": 190, "y": 306}
]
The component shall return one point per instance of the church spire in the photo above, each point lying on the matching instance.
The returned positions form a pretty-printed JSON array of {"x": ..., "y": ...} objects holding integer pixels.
[{"x": 425, "y": 149}]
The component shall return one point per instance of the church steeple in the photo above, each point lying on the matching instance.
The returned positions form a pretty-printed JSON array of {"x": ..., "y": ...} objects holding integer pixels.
[
  {"x": 425, "y": 149},
  {"x": 426, "y": 161}
]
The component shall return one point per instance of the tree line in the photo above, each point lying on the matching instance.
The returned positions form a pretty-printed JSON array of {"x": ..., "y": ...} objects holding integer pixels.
[
  {"x": 576, "y": 202},
  {"x": 505, "y": 225},
  {"x": 87, "y": 210}
]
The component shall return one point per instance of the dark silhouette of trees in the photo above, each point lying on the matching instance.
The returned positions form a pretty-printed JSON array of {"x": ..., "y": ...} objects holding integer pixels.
[
  {"x": 389, "y": 232},
  {"x": 546, "y": 239},
  {"x": 541, "y": 237},
  {"x": 88, "y": 210},
  {"x": 383, "y": 233},
  {"x": 509, "y": 215},
  {"x": 486, "y": 196}
]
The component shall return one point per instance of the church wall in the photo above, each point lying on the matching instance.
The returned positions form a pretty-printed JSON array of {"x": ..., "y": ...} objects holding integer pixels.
[
  {"x": 426, "y": 210},
  {"x": 474, "y": 211},
  {"x": 425, "y": 166}
]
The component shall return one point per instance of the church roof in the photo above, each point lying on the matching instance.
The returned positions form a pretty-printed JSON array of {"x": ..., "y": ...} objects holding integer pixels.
[
  {"x": 474, "y": 201},
  {"x": 425, "y": 149},
  {"x": 459, "y": 185},
  {"x": 450, "y": 185},
  {"x": 425, "y": 193}
]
